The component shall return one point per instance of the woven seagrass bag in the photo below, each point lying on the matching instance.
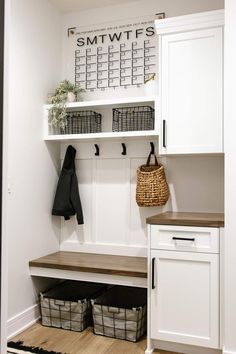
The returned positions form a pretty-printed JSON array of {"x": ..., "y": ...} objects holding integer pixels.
[{"x": 152, "y": 188}]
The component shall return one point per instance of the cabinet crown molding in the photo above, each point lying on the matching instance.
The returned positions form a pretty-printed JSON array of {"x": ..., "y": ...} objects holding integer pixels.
[{"x": 190, "y": 22}]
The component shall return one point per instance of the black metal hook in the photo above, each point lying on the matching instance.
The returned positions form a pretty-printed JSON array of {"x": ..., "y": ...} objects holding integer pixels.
[
  {"x": 124, "y": 149},
  {"x": 152, "y": 152},
  {"x": 97, "y": 150}
]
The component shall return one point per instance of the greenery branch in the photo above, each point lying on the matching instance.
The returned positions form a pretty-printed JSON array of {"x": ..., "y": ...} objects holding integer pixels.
[{"x": 57, "y": 113}]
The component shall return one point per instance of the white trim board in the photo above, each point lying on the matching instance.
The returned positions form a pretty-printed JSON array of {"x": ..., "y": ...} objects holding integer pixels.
[
  {"x": 86, "y": 276},
  {"x": 228, "y": 352},
  {"x": 22, "y": 321},
  {"x": 190, "y": 22},
  {"x": 115, "y": 249},
  {"x": 184, "y": 348}
]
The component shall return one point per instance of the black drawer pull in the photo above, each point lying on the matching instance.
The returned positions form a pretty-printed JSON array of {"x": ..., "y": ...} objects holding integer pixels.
[
  {"x": 183, "y": 239},
  {"x": 153, "y": 277}
]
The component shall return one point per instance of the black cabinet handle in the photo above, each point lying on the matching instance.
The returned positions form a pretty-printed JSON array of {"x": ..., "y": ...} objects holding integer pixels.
[
  {"x": 183, "y": 239},
  {"x": 164, "y": 133},
  {"x": 153, "y": 275}
]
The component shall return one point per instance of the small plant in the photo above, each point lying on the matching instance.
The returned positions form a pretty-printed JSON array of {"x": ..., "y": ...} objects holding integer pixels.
[{"x": 63, "y": 92}]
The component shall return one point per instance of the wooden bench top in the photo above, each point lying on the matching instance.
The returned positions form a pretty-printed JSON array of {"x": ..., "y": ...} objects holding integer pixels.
[{"x": 94, "y": 263}]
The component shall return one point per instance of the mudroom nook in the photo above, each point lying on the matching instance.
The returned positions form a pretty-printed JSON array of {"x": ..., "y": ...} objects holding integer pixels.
[{"x": 117, "y": 192}]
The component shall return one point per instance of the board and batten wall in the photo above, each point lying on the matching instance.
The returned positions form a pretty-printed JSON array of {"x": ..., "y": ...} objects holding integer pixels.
[{"x": 113, "y": 223}]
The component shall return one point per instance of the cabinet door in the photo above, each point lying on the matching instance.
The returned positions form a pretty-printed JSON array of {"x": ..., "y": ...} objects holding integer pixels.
[
  {"x": 185, "y": 300},
  {"x": 191, "y": 92}
]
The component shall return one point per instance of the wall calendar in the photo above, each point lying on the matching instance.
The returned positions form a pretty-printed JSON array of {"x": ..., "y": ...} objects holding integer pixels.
[{"x": 113, "y": 57}]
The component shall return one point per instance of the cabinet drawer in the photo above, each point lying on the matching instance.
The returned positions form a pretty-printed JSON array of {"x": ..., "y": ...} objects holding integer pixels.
[{"x": 185, "y": 238}]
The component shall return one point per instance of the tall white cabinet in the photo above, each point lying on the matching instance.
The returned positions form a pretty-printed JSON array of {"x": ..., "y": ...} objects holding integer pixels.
[{"x": 190, "y": 83}]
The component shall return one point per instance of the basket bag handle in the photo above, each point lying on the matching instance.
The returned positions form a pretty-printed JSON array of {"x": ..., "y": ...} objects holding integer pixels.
[{"x": 149, "y": 159}]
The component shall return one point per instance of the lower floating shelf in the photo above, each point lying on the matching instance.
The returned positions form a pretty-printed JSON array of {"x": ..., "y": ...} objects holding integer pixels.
[{"x": 105, "y": 135}]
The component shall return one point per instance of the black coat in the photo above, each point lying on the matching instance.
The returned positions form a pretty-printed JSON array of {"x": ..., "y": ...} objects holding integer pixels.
[{"x": 67, "y": 200}]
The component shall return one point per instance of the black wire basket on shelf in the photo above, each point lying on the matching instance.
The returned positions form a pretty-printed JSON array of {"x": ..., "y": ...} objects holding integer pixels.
[
  {"x": 133, "y": 118},
  {"x": 80, "y": 122}
]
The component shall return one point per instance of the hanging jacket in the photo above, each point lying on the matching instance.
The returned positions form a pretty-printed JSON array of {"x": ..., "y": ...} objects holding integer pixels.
[{"x": 67, "y": 200}]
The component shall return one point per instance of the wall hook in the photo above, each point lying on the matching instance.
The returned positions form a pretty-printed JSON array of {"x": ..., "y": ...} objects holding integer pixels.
[
  {"x": 124, "y": 149},
  {"x": 152, "y": 152},
  {"x": 97, "y": 150}
]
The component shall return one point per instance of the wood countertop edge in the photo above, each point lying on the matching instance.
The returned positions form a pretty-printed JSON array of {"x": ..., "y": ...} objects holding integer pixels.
[
  {"x": 193, "y": 223},
  {"x": 131, "y": 273},
  {"x": 195, "y": 219}
]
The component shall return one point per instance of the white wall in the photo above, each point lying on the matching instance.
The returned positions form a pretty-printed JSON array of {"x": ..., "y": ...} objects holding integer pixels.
[
  {"x": 4, "y": 256},
  {"x": 230, "y": 179},
  {"x": 33, "y": 69},
  {"x": 140, "y": 8},
  {"x": 115, "y": 15}
]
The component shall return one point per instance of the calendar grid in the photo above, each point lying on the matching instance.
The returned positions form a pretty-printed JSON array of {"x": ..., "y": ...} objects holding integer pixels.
[{"x": 115, "y": 65}]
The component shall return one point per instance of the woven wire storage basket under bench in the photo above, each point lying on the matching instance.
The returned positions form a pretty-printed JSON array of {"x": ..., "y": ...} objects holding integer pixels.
[
  {"x": 68, "y": 305},
  {"x": 121, "y": 312},
  {"x": 133, "y": 118},
  {"x": 80, "y": 122}
]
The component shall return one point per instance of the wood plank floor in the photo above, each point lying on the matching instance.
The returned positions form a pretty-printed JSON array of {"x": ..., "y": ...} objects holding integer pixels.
[{"x": 85, "y": 342}]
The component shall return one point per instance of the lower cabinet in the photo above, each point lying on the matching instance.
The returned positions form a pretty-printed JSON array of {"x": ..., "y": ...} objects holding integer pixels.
[{"x": 184, "y": 296}]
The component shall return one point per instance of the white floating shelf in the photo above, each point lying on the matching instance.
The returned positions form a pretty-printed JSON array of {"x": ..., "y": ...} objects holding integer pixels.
[
  {"x": 110, "y": 102},
  {"x": 107, "y": 135}
]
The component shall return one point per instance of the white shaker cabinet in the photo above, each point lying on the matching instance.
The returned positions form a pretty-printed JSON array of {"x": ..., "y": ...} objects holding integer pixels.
[
  {"x": 184, "y": 280},
  {"x": 185, "y": 298},
  {"x": 190, "y": 83}
]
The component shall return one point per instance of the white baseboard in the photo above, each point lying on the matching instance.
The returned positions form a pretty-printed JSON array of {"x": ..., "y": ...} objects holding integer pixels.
[
  {"x": 22, "y": 321},
  {"x": 149, "y": 351},
  {"x": 184, "y": 348},
  {"x": 228, "y": 352}
]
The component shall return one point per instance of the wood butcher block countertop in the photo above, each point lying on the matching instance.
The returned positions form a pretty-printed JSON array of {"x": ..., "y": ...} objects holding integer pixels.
[
  {"x": 188, "y": 219},
  {"x": 94, "y": 263}
]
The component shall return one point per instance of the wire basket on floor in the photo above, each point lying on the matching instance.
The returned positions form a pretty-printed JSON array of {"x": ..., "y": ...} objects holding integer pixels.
[
  {"x": 80, "y": 122},
  {"x": 68, "y": 305},
  {"x": 133, "y": 119},
  {"x": 121, "y": 312}
]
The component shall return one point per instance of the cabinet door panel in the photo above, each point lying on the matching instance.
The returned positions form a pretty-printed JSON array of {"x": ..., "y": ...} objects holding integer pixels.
[
  {"x": 185, "y": 301},
  {"x": 191, "y": 91}
]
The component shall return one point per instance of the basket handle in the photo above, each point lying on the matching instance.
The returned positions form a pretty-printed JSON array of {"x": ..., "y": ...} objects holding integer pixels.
[
  {"x": 59, "y": 302},
  {"x": 113, "y": 309},
  {"x": 149, "y": 159}
]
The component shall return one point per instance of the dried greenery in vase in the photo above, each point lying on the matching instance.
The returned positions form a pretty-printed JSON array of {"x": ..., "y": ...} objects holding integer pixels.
[{"x": 65, "y": 92}]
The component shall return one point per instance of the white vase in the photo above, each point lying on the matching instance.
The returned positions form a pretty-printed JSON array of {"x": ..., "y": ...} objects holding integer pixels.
[{"x": 71, "y": 97}]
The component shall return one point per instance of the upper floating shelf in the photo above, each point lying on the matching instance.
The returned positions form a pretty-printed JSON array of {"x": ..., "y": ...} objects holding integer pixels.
[
  {"x": 110, "y": 102},
  {"x": 107, "y": 132}
]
